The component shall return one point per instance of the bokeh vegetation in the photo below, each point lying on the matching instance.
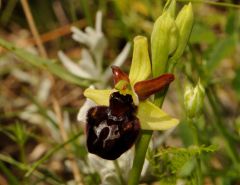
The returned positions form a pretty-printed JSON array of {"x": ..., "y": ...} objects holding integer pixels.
[{"x": 41, "y": 141}]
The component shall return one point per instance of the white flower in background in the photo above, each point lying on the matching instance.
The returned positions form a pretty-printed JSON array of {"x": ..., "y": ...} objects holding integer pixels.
[
  {"x": 90, "y": 65},
  {"x": 32, "y": 112},
  {"x": 107, "y": 169}
]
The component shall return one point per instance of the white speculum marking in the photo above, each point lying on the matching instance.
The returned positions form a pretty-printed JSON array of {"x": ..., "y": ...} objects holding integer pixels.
[{"x": 112, "y": 134}]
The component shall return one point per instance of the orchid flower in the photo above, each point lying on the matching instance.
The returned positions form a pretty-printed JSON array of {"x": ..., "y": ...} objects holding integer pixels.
[
  {"x": 114, "y": 125},
  {"x": 91, "y": 64}
]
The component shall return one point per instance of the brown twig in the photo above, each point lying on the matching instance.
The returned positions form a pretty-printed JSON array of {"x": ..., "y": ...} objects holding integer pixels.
[
  {"x": 73, "y": 162},
  {"x": 33, "y": 28},
  {"x": 49, "y": 36},
  {"x": 61, "y": 31}
]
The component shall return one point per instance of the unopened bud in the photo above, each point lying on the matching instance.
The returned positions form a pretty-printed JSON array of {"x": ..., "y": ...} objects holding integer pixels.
[
  {"x": 193, "y": 100},
  {"x": 164, "y": 41},
  {"x": 170, "y": 7},
  {"x": 184, "y": 22}
]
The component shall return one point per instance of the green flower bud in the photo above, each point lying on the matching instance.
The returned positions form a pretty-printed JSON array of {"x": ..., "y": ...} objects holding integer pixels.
[
  {"x": 193, "y": 100},
  {"x": 184, "y": 22},
  {"x": 170, "y": 7},
  {"x": 164, "y": 41}
]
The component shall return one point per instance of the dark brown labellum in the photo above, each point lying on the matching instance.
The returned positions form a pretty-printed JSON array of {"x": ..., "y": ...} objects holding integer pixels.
[{"x": 112, "y": 130}]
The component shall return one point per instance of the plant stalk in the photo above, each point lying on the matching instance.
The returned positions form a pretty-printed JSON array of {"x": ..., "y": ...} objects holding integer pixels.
[
  {"x": 145, "y": 137},
  {"x": 22, "y": 153},
  {"x": 142, "y": 146},
  {"x": 118, "y": 170},
  {"x": 198, "y": 172},
  {"x": 140, "y": 153}
]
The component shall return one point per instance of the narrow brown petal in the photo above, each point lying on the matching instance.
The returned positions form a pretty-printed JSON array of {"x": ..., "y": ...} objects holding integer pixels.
[
  {"x": 118, "y": 75},
  {"x": 146, "y": 88}
]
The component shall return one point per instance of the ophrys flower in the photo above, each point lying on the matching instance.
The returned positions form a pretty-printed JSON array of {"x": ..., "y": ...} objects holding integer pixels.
[{"x": 114, "y": 125}]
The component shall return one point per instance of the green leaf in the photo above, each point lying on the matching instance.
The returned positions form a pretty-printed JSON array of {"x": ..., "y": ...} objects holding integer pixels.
[
  {"x": 100, "y": 97},
  {"x": 8, "y": 173},
  {"x": 10, "y": 160},
  {"x": 153, "y": 118},
  {"x": 221, "y": 50},
  {"x": 201, "y": 33},
  {"x": 236, "y": 82},
  {"x": 232, "y": 23},
  {"x": 44, "y": 64},
  {"x": 179, "y": 157},
  {"x": 17, "y": 132}
]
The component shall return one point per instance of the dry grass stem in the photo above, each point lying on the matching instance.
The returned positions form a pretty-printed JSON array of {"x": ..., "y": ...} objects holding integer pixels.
[
  {"x": 33, "y": 28},
  {"x": 59, "y": 32},
  {"x": 73, "y": 162}
]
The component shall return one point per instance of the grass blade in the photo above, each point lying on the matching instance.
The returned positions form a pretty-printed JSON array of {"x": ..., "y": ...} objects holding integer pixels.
[{"x": 47, "y": 64}]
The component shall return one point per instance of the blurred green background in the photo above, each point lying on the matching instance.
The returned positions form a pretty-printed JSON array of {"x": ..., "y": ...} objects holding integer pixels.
[{"x": 28, "y": 132}]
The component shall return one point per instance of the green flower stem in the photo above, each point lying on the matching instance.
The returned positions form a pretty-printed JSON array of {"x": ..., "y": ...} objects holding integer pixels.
[
  {"x": 118, "y": 170},
  {"x": 141, "y": 148},
  {"x": 145, "y": 137},
  {"x": 140, "y": 153},
  {"x": 22, "y": 153},
  {"x": 198, "y": 172},
  {"x": 23, "y": 160}
]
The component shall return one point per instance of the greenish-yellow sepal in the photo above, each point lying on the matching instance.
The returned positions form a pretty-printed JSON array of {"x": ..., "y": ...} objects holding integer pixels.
[
  {"x": 141, "y": 66},
  {"x": 100, "y": 97},
  {"x": 153, "y": 118}
]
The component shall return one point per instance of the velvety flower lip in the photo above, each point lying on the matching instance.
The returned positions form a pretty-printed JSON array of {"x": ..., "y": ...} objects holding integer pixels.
[{"x": 112, "y": 130}]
